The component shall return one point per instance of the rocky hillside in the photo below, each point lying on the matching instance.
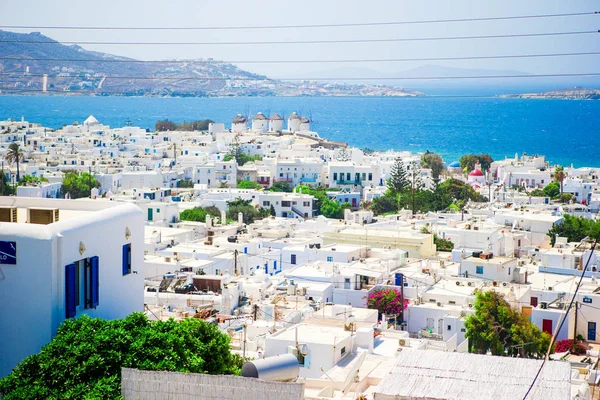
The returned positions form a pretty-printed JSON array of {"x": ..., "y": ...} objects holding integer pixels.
[
  {"x": 73, "y": 70},
  {"x": 576, "y": 93}
]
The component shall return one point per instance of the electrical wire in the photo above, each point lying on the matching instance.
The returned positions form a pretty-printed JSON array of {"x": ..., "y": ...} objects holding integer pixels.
[
  {"x": 288, "y": 42},
  {"x": 215, "y": 62},
  {"x": 349, "y": 24},
  {"x": 562, "y": 321},
  {"x": 330, "y": 79}
]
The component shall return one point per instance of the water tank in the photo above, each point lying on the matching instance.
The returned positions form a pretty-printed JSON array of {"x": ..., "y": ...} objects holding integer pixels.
[{"x": 282, "y": 368}]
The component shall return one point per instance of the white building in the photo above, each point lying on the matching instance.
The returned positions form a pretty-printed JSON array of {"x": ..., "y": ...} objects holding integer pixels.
[{"x": 62, "y": 259}]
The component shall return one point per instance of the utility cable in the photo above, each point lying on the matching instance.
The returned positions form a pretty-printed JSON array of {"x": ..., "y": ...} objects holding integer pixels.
[
  {"x": 216, "y": 62},
  {"x": 288, "y": 42},
  {"x": 562, "y": 321},
  {"x": 331, "y": 79},
  {"x": 349, "y": 24}
]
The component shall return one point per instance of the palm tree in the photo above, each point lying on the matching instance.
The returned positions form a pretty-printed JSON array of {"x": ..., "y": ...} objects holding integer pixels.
[
  {"x": 14, "y": 155},
  {"x": 559, "y": 176}
]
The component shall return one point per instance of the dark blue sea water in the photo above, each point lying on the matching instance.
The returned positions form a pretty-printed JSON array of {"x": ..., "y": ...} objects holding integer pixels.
[{"x": 566, "y": 131}]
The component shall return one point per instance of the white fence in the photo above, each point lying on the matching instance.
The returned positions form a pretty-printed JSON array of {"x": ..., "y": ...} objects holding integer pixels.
[{"x": 162, "y": 385}]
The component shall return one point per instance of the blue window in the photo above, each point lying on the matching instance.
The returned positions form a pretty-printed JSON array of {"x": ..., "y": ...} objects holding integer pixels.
[
  {"x": 92, "y": 283},
  {"x": 70, "y": 290},
  {"x": 329, "y": 259},
  {"x": 275, "y": 265},
  {"x": 266, "y": 268},
  {"x": 126, "y": 259},
  {"x": 245, "y": 250},
  {"x": 479, "y": 270},
  {"x": 293, "y": 259}
]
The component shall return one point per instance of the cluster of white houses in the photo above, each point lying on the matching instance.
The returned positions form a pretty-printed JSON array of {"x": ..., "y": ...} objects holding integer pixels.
[{"x": 295, "y": 282}]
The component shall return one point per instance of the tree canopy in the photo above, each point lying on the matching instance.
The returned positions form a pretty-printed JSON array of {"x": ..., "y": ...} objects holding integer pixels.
[
  {"x": 198, "y": 214},
  {"x": 575, "y": 229},
  {"x": 500, "y": 329},
  {"x": 166, "y": 125},
  {"x": 281, "y": 187},
  {"x": 15, "y": 155},
  {"x": 398, "y": 181},
  {"x": 31, "y": 180},
  {"x": 325, "y": 206},
  {"x": 245, "y": 207},
  {"x": 85, "y": 358},
  {"x": 78, "y": 185},
  {"x": 434, "y": 162},
  {"x": 468, "y": 161}
]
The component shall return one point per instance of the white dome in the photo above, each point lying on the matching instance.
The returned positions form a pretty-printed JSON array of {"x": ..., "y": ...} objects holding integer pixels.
[{"x": 91, "y": 120}]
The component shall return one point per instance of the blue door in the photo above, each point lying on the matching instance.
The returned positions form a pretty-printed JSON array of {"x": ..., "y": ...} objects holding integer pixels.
[
  {"x": 591, "y": 331},
  {"x": 149, "y": 214}
]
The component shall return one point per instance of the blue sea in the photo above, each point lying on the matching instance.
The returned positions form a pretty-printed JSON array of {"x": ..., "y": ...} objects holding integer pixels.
[{"x": 566, "y": 131}]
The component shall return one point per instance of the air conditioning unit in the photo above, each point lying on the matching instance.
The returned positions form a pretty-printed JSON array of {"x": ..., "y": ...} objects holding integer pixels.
[
  {"x": 42, "y": 216},
  {"x": 8, "y": 214},
  {"x": 550, "y": 288},
  {"x": 543, "y": 305},
  {"x": 402, "y": 342},
  {"x": 470, "y": 283},
  {"x": 505, "y": 284}
]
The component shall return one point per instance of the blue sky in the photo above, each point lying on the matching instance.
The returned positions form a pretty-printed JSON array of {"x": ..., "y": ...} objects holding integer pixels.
[{"x": 227, "y": 13}]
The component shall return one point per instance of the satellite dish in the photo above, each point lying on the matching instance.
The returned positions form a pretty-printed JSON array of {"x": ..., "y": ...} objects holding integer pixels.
[{"x": 304, "y": 350}]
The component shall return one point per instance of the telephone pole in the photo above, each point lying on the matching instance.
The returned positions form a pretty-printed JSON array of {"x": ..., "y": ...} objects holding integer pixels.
[{"x": 235, "y": 262}]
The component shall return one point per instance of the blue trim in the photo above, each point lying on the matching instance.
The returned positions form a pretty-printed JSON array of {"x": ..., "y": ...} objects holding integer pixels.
[{"x": 70, "y": 289}]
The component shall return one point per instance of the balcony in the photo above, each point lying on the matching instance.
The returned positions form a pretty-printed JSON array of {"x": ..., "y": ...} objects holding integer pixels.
[
  {"x": 308, "y": 180},
  {"x": 283, "y": 180},
  {"x": 348, "y": 182}
]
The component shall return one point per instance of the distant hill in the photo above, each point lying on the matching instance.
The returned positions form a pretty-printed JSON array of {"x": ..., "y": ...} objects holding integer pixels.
[
  {"x": 74, "y": 70},
  {"x": 577, "y": 93}
]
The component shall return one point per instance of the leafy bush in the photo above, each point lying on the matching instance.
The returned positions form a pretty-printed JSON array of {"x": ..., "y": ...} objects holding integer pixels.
[
  {"x": 573, "y": 346},
  {"x": 248, "y": 185},
  {"x": 198, "y": 214},
  {"x": 85, "y": 358},
  {"x": 78, "y": 185}
]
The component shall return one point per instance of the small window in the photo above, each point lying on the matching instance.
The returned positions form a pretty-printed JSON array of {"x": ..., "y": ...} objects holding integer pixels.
[
  {"x": 463, "y": 330},
  {"x": 343, "y": 351},
  {"x": 479, "y": 270},
  {"x": 293, "y": 259},
  {"x": 126, "y": 259},
  {"x": 329, "y": 259},
  {"x": 449, "y": 327}
]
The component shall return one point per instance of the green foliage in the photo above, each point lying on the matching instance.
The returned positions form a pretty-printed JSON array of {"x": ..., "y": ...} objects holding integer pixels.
[
  {"x": 186, "y": 183},
  {"x": 326, "y": 207},
  {"x": 498, "y": 328},
  {"x": 434, "y": 162},
  {"x": 78, "y": 185},
  {"x": 552, "y": 190},
  {"x": 461, "y": 191},
  {"x": 245, "y": 207},
  {"x": 31, "y": 180},
  {"x": 272, "y": 211},
  {"x": 85, "y": 358},
  {"x": 398, "y": 181},
  {"x": 565, "y": 197},
  {"x": 249, "y": 185},
  {"x": 538, "y": 193},
  {"x": 575, "y": 229},
  {"x": 384, "y": 204},
  {"x": 282, "y": 187},
  {"x": 468, "y": 161},
  {"x": 166, "y": 125},
  {"x": 198, "y": 214},
  {"x": 367, "y": 151},
  {"x": 559, "y": 176},
  {"x": 15, "y": 155},
  {"x": 6, "y": 188}
]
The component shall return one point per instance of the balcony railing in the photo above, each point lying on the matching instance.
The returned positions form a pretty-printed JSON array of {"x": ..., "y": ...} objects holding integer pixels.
[
  {"x": 307, "y": 179},
  {"x": 348, "y": 182},
  {"x": 282, "y": 180}
]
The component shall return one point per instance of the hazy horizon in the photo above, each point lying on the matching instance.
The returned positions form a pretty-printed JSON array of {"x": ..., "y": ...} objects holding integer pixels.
[{"x": 188, "y": 13}]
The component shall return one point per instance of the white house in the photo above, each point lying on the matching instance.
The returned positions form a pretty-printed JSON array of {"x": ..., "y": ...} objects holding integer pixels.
[{"x": 62, "y": 259}]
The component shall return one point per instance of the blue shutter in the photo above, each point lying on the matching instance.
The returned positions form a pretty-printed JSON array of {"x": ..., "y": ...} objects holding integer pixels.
[
  {"x": 126, "y": 263},
  {"x": 70, "y": 290},
  {"x": 94, "y": 282}
]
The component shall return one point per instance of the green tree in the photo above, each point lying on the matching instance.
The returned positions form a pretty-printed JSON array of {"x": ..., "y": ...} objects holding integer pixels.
[
  {"x": 185, "y": 183},
  {"x": 498, "y": 328},
  {"x": 575, "y": 229},
  {"x": 272, "y": 211},
  {"x": 249, "y": 185},
  {"x": 552, "y": 190},
  {"x": 85, "y": 358},
  {"x": 15, "y": 155},
  {"x": 165, "y": 125},
  {"x": 435, "y": 163},
  {"x": 559, "y": 176},
  {"x": 398, "y": 181},
  {"x": 245, "y": 207},
  {"x": 281, "y": 187},
  {"x": 6, "y": 189},
  {"x": 78, "y": 185},
  {"x": 468, "y": 161},
  {"x": 198, "y": 214},
  {"x": 384, "y": 204},
  {"x": 31, "y": 180}
]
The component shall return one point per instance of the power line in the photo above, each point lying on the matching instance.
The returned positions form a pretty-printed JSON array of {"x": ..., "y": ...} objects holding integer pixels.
[
  {"x": 562, "y": 321},
  {"x": 304, "y": 61},
  {"x": 287, "y": 42},
  {"x": 220, "y": 28},
  {"x": 247, "y": 78}
]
